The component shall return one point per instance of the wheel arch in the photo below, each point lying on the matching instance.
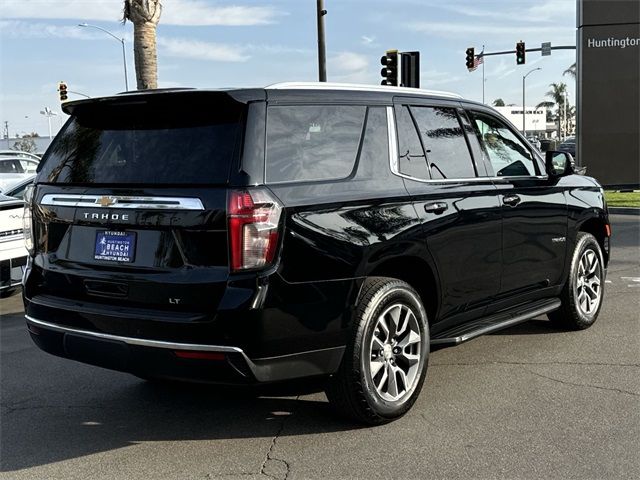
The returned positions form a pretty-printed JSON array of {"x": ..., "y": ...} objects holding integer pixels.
[
  {"x": 596, "y": 226},
  {"x": 416, "y": 272}
]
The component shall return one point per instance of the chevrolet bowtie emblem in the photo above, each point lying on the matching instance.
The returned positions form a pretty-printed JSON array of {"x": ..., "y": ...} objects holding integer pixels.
[{"x": 106, "y": 201}]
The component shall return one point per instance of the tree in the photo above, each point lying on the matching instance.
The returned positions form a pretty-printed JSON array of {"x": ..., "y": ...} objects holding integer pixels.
[
  {"x": 25, "y": 144},
  {"x": 557, "y": 97},
  {"x": 145, "y": 15},
  {"x": 498, "y": 102},
  {"x": 571, "y": 71}
]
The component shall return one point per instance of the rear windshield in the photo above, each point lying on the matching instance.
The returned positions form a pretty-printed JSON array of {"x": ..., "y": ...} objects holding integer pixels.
[{"x": 173, "y": 141}]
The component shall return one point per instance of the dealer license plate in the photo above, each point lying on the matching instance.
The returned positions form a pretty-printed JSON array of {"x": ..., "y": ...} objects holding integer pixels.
[{"x": 114, "y": 246}]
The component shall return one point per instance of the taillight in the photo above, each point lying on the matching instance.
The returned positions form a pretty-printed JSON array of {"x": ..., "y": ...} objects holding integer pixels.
[
  {"x": 254, "y": 215},
  {"x": 27, "y": 221}
]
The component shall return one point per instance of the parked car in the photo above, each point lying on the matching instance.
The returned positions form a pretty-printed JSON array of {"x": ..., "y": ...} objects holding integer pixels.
[
  {"x": 13, "y": 255},
  {"x": 20, "y": 154},
  {"x": 569, "y": 145},
  {"x": 17, "y": 189},
  {"x": 14, "y": 169},
  {"x": 302, "y": 230}
]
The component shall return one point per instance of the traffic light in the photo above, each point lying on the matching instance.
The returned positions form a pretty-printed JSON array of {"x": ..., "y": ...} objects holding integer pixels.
[
  {"x": 470, "y": 58},
  {"x": 62, "y": 90},
  {"x": 410, "y": 69},
  {"x": 389, "y": 70},
  {"x": 520, "y": 53}
]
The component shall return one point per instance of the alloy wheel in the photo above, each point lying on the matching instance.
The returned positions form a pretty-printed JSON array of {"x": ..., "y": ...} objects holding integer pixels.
[
  {"x": 588, "y": 288},
  {"x": 394, "y": 352}
]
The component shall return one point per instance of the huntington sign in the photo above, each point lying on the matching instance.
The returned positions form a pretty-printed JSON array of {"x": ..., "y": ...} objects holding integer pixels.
[
  {"x": 613, "y": 42},
  {"x": 608, "y": 90}
]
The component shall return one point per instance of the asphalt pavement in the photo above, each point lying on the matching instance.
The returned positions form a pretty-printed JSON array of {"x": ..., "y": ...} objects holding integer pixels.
[{"x": 527, "y": 402}]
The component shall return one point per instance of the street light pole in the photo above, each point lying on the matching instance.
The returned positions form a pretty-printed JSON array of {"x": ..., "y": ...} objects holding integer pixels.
[
  {"x": 124, "y": 55},
  {"x": 47, "y": 112},
  {"x": 524, "y": 78}
]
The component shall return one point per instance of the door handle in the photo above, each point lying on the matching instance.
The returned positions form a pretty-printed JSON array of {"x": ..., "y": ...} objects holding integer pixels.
[
  {"x": 436, "y": 207},
  {"x": 511, "y": 200}
]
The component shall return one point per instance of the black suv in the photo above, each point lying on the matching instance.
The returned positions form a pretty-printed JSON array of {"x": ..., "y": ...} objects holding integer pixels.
[{"x": 302, "y": 230}]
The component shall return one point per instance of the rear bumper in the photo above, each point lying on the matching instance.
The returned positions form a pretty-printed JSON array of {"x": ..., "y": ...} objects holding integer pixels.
[{"x": 158, "y": 358}]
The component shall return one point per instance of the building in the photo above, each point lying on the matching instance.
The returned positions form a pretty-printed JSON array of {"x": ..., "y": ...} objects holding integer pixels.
[
  {"x": 608, "y": 93},
  {"x": 535, "y": 118}
]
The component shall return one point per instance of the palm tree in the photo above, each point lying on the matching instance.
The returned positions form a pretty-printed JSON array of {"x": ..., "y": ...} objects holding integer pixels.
[
  {"x": 571, "y": 71},
  {"x": 556, "y": 95},
  {"x": 498, "y": 102},
  {"x": 145, "y": 15}
]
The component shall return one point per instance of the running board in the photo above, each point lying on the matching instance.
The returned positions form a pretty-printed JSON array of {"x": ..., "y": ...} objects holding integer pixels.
[{"x": 498, "y": 321}]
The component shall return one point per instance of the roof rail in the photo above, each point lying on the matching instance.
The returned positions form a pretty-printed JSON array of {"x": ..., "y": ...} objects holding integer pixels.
[{"x": 358, "y": 87}]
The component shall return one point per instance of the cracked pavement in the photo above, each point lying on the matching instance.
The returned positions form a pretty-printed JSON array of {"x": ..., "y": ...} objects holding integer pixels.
[{"x": 527, "y": 402}]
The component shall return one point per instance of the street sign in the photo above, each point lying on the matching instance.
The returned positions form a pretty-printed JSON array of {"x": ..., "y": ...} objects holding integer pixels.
[{"x": 546, "y": 49}]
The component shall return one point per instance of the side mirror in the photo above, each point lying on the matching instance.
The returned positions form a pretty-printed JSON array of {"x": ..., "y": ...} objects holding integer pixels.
[{"x": 558, "y": 164}]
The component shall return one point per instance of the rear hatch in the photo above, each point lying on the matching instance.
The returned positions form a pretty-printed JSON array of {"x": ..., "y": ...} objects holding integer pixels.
[{"x": 130, "y": 206}]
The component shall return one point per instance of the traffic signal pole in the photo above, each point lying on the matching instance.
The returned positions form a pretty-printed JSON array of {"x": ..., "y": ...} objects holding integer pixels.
[
  {"x": 322, "y": 54},
  {"x": 511, "y": 52}
]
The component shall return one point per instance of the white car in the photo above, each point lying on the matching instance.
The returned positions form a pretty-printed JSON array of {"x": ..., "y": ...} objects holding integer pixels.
[
  {"x": 13, "y": 254},
  {"x": 14, "y": 169},
  {"x": 17, "y": 189},
  {"x": 20, "y": 154}
]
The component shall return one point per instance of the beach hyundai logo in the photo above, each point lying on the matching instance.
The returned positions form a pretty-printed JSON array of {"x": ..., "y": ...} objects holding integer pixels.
[{"x": 106, "y": 201}]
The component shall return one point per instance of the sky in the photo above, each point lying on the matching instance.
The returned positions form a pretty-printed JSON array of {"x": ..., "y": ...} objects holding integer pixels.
[{"x": 239, "y": 43}]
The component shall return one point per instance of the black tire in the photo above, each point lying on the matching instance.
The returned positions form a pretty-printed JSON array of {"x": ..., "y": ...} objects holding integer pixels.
[
  {"x": 7, "y": 292},
  {"x": 571, "y": 315},
  {"x": 351, "y": 390}
]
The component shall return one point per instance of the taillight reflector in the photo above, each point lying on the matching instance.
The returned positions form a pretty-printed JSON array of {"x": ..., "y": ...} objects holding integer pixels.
[
  {"x": 254, "y": 216},
  {"x": 607, "y": 229}
]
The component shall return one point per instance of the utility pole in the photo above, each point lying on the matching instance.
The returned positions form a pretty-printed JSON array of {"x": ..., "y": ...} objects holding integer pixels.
[
  {"x": 6, "y": 132},
  {"x": 322, "y": 54},
  {"x": 483, "y": 80}
]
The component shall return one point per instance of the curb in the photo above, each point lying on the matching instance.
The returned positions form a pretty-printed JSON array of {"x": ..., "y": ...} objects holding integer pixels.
[{"x": 624, "y": 210}]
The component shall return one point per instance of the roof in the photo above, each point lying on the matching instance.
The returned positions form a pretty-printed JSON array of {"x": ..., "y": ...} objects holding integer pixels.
[
  {"x": 245, "y": 94},
  {"x": 359, "y": 88}
]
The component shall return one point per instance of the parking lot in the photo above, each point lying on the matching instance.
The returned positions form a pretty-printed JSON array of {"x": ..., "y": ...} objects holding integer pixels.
[{"x": 527, "y": 402}]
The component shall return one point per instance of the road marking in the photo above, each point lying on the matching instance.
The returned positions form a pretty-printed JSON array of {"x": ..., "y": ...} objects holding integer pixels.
[
  {"x": 635, "y": 280},
  {"x": 608, "y": 281}
]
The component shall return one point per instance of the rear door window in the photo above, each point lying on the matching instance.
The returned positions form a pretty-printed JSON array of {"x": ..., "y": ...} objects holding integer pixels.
[
  {"x": 312, "y": 142},
  {"x": 509, "y": 156},
  {"x": 444, "y": 142}
]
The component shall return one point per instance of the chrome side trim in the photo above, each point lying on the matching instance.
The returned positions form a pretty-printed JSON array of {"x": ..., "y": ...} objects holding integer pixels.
[{"x": 121, "y": 202}]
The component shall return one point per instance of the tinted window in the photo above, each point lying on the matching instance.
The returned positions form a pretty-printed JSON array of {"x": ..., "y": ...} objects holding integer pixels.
[
  {"x": 312, "y": 142},
  {"x": 374, "y": 153},
  {"x": 411, "y": 159},
  {"x": 172, "y": 142},
  {"x": 443, "y": 139},
  {"x": 507, "y": 154},
  {"x": 11, "y": 166}
]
